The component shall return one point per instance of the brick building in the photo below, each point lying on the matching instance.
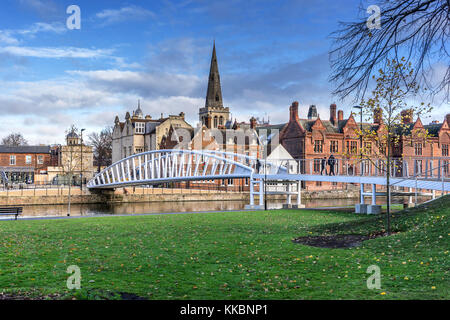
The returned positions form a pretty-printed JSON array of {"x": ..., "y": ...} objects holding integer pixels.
[
  {"x": 25, "y": 163},
  {"x": 312, "y": 139}
]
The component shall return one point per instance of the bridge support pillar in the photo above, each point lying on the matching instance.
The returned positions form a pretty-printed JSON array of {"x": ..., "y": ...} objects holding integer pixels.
[
  {"x": 261, "y": 193},
  {"x": 374, "y": 194},
  {"x": 299, "y": 195},
  {"x": 361, "y": 193},
  {"x": 252, "y": 205},
  {"x": 289, "y": 197}
]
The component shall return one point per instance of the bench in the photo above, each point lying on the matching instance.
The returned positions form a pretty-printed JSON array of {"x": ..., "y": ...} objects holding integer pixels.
[{"x": 10, "y": 211}]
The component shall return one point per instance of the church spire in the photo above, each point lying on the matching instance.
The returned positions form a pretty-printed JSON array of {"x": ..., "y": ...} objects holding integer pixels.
[{"x": 214, "y": 93}]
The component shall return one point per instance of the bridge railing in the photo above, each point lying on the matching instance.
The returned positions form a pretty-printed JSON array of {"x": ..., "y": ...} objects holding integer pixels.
[
  {"x": 158, "y": 165},
  {"x": 422, "y": 168}
]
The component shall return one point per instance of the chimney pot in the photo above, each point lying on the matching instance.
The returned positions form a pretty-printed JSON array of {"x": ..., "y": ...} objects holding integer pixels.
[{"x": 340, "y": 115}]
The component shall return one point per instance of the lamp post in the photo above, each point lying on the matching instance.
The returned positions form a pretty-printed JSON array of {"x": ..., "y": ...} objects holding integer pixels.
[
  {"x": 360, "y": 135},
  {"x": 265, "y": 167},
  {"x": 81, "y": 174},
  {"x": 360, "y": 152}
]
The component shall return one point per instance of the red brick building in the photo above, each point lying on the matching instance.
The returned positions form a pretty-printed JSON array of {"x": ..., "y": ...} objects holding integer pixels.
[
  {"x": 22, "y": 163},
  {"x": 312, "y": 139}
]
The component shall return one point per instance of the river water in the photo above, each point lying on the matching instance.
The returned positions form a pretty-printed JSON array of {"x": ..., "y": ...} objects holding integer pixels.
[{"x": 171, "y": 207}]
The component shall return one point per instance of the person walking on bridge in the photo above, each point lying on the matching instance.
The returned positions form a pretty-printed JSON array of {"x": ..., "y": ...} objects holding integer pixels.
[
  {"x": 331, "y": 163},
  {"x": 323, "y": 165}
]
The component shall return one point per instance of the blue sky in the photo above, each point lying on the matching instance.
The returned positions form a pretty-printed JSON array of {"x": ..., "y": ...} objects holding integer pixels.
[{"x": 270, "y": 53}]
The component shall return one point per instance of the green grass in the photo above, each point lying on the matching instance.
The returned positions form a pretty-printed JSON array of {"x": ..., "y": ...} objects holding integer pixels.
[{"x": 232, "y": 255}]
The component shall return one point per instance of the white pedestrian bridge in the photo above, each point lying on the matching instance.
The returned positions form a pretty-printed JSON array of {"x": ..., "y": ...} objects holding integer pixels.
[{"x": 178, "y": 165}]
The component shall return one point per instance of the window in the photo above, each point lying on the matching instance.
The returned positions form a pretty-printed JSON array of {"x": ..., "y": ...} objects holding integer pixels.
[
  {"x": 130, "y": 151},
  {"x": 368, "y": 147},
  {"x": 317, "y": 165},
  {"x": 334, "y": 146},
  {"x": 40, "y": 159},
  {"x": 318, "y": 146},
  {"x": 354, "y": 147},
  {"x": 12, "y": 160},
  {"x": 124, "y": 152},
  {"x": 230, "y": 182},
  {"x": 139, "y": 127},
  {"x": 445, "y": 150},
  {"x": 418, "y": 149},
  {"x": 318, "y": 183},
  {"x": 28, "y": 159},
  {"x": 418, "y": 164},
  {"x": 215, "y": 122},
  {"x": 139, "y": 150}
]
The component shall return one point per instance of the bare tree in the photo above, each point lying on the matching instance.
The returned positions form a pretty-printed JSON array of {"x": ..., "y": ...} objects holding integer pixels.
[
  {"x": 14, "y": 140},
  {"x": 388, "y": 108},
  {"x": 419, "y": 30},
  {"x": 102, "y": 144}
]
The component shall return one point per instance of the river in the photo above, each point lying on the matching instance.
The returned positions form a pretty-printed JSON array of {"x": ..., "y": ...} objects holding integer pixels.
[{"x": 170, "y": 207}]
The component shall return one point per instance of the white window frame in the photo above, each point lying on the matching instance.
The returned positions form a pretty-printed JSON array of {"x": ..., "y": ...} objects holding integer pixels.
[
  {"x": 12, "y": 160},
  {"x": 28, "y": 159},
  {"x": 139, "y": 127},
  {"x": 40, "y": 159}
]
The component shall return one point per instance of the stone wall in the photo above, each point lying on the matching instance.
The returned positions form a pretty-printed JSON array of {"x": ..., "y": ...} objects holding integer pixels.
[{"x": 60, "y": 196}]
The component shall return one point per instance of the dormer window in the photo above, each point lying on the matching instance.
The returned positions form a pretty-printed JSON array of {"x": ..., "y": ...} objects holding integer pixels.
[{"x": 140, "y": 127}]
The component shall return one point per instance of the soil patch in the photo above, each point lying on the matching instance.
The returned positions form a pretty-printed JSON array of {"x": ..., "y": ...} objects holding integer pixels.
[{"x": 338, "y": 240}]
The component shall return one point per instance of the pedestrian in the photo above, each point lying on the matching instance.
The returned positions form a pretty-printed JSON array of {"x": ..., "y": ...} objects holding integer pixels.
[
  {"x": 331, "y": 163},
  {"x": 323, "y": 165}
]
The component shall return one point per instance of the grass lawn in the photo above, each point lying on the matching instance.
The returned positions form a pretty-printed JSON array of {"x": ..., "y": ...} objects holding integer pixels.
[{"x": 247, "y": 255}]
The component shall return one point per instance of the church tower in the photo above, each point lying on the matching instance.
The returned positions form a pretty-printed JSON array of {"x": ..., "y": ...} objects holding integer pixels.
[{"x": 214, "y": 115}]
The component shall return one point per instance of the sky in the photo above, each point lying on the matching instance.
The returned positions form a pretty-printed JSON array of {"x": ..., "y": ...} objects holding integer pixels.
[{"x": 270, "y": 53}]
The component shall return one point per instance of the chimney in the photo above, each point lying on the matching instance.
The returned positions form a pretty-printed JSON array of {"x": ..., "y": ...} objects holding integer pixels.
[
  {"x": 447, "y": 117},
  {"x": 182, "y": 114},
  {"x": 293, "y": 110},
  {"x": 407, "y": 116},
  {"x": 252, "y": 123},
  {"x": 333, "y": 113},
  {"x": 340, "y": 115},
  {"x": 377, "y": 116}
]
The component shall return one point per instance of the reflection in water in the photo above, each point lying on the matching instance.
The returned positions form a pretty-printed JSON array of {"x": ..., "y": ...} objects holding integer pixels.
[{"x": 167, "y": 207}]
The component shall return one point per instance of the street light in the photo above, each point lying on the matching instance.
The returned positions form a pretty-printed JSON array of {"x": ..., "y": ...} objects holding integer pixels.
[
  {"x": 360, "y": 135},
  {"x": 81, "y": 175},
  {"x": 360, "y": 151},
  {"x": 265, "y": 167}
]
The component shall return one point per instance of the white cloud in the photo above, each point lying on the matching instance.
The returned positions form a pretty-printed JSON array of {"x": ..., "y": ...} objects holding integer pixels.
[
  {"x": 43, "y": 27},
  {"x": 57, "y": 52},
  {"x": 7, "y": 38},
  {"x": 110, "y": 16},
  {"x": 152, "y": 84}
]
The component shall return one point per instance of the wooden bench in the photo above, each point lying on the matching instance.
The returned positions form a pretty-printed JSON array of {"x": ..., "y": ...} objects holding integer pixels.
[{"x": 11, "y": 211}]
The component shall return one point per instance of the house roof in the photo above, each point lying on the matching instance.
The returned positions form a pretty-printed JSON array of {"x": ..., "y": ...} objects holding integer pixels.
[{"x": 24, "y": 149}]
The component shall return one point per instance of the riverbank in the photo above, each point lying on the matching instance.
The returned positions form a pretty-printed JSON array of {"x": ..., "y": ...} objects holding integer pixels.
[
  {"x": 59, "y": 196},
  {"x": 230, "y": 255}
]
